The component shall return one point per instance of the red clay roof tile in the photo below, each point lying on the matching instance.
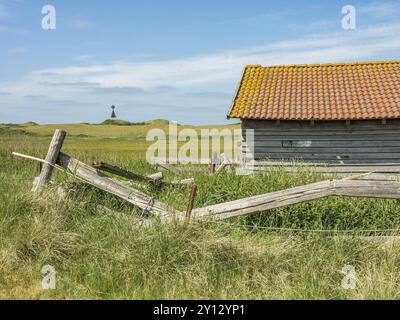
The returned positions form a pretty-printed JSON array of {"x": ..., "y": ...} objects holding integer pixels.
[{"x": 341, "y": 91}]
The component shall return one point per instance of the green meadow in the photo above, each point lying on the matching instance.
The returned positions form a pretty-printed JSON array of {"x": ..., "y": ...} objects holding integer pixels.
[{"x": 99, "y": 251}]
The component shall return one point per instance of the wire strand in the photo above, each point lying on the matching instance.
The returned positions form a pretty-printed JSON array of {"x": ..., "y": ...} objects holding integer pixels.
[{"x": 348, "y": 231}]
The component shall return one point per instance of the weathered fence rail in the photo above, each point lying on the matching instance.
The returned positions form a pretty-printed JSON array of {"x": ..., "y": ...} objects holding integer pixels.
[{"x": 353, "y": 188}]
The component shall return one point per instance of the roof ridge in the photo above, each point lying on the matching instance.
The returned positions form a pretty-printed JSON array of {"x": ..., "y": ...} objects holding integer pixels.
[{"x": 325, "y": 64}]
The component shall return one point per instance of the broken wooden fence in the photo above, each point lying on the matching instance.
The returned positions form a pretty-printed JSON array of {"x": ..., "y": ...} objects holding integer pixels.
[{"x": 356, "y": 186}]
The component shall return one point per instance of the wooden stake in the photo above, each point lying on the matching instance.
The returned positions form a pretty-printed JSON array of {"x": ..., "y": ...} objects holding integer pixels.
[
  {"x": 193, "y": 194},
  {"x": 51, "y": 159}
]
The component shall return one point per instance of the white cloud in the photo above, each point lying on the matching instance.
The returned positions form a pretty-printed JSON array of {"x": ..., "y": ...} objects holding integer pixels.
[
  {"x": 226, "y": 66},
  {"x": 217, "y": 72}
]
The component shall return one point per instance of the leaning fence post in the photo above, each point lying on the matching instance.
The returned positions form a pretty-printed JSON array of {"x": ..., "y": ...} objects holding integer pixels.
[{"x": 51, "y": 159}]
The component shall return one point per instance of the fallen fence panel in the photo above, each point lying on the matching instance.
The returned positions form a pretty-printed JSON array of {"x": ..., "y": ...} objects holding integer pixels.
[{"x": 108, "y": 184}]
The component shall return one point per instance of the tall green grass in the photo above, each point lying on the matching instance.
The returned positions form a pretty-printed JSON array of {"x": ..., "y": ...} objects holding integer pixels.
[{"x": 106, "y": 255}]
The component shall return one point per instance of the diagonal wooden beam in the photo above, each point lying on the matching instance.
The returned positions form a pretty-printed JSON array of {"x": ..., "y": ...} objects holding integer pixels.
[
  {"x": 90, "y": 175},
  {"x": 255, "y": 204},
  {"x": 264, "y": 202}
]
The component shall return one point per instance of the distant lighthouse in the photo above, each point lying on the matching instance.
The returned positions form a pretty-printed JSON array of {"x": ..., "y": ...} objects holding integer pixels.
[{"x": 113, "y": 115}]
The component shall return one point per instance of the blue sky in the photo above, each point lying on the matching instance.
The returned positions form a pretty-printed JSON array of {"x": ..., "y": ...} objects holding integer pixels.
[{"x": 178, "y": 60}]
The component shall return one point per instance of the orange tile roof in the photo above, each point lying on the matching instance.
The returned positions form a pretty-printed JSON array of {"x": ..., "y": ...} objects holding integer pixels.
[{"x": 340, "y": 91}]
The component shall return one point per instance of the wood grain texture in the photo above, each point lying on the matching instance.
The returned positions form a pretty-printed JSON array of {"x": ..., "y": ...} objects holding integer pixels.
[
  {"x": 334, "y": 142},
  {"x": 92, "y": 176},
  {"x": 51, "y": 158},
  {"x": 255, "y": 204},
  {"x": 155, "y": 179}
]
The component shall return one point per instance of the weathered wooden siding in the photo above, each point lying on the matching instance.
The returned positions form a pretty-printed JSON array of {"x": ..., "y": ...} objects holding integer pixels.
[{"x": 371, "y": 141}]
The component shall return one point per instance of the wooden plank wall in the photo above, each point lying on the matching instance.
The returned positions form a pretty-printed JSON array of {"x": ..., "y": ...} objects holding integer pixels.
[{"x": 373, "y": 141}]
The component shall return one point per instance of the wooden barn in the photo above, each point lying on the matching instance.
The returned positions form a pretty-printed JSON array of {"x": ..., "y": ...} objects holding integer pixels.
[{"x": 344, "y": 113}]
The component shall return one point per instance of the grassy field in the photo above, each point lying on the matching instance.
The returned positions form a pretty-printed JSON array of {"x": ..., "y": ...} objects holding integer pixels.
[{"x": 103, "y": 255}]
